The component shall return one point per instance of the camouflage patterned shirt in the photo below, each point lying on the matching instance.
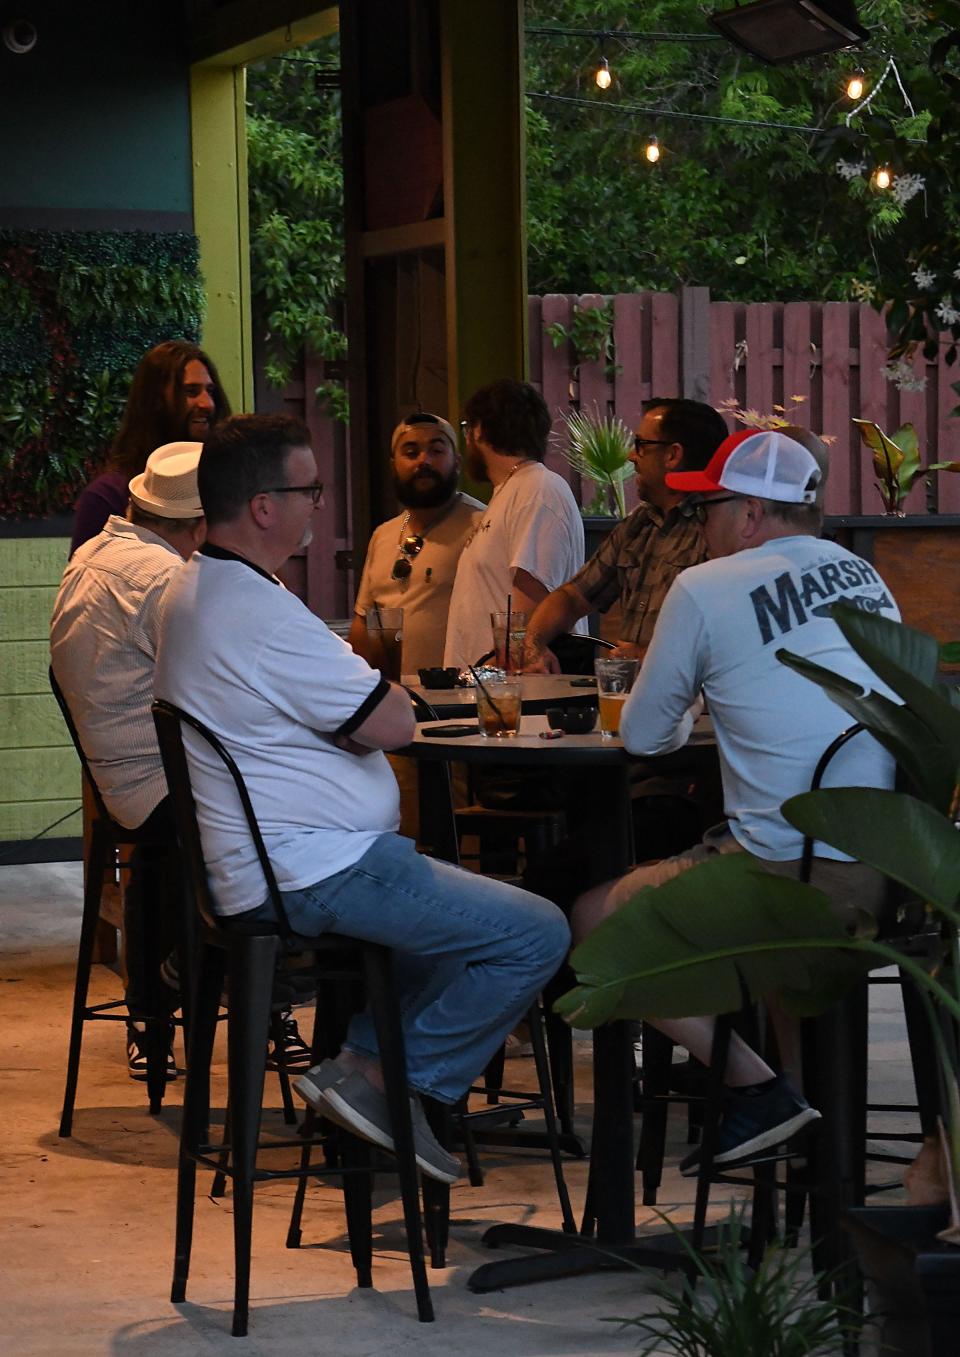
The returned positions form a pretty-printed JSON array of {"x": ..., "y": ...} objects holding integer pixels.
[{"x": 637, "y": 564}]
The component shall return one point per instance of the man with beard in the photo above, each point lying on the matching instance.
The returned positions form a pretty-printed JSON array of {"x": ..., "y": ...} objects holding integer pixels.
[
  {"x": 412, "y": 559},
  {"x": 175, "y": 394}
]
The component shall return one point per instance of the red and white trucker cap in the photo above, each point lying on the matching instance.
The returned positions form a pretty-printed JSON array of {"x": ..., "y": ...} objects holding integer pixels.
[{"x": 760, "y": 462}]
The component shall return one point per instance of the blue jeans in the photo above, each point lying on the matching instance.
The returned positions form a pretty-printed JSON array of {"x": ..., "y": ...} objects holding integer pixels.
[{"x": 470, "y": 954}]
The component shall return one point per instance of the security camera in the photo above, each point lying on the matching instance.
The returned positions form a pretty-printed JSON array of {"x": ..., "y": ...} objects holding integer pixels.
[{"x": 19, "y": 36}]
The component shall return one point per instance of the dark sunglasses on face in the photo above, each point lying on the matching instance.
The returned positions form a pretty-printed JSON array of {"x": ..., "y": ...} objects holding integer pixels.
[
  {"x": 640, "y": 443},
  {"x": 410, "y": 546},
  {"x": 315, "y": 491},
  {"x": 694, "y": 506}
]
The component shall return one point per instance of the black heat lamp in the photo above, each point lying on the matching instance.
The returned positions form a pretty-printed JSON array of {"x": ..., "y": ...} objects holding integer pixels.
[{"x": 778, "y": 31}]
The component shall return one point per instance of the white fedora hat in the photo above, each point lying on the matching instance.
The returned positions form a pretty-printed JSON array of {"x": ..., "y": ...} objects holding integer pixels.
[{"x": 167, "y": 487}]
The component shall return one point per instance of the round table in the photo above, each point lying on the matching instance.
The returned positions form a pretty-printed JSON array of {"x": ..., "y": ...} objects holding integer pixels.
[{"x": 538, "y": 692}]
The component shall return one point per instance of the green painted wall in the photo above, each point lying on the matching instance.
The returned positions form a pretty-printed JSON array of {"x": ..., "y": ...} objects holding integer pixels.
[
  {"x": 97, "y": 116},
  {"x": 39, "y": 771}
]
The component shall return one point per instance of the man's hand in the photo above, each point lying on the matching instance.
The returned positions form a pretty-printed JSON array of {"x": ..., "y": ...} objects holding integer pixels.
[
  {"x": 628, "y": 650},
  {"x": 539, "y": 659}
]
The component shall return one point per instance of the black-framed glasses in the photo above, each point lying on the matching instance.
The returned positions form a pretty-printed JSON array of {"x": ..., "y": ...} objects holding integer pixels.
[
  {"x": 315, "y": 491},
  {"x": 409, "y": 548},
  {"x": 640, "y": 443},
  {"x": 694, "y": 506}
]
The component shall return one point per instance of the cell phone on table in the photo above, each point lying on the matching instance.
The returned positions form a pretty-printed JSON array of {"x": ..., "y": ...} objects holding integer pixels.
[{"x": 452, "y": 732}]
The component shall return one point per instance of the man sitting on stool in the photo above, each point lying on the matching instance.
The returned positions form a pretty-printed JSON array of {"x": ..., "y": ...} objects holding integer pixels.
[
  {"x": 770, "y": 582},
  {"x": 306, "y": 721}
]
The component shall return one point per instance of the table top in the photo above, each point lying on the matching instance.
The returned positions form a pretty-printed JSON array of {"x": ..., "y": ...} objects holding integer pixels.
[
  {"x": 538, "y": 692},
  {"x": 527, "y": 748}
]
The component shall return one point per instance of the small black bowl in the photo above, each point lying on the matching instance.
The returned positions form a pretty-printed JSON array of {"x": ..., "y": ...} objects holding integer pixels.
[
  {"x": 572, "y": 720},
  {"x": 439, "y": 678}
]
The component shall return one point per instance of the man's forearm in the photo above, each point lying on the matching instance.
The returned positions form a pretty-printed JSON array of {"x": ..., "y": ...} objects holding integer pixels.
[{"x": 559, "y": 612}]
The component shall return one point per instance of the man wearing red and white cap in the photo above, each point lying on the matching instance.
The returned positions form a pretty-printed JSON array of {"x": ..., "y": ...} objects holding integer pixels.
[{"x": 770, "y": 582}]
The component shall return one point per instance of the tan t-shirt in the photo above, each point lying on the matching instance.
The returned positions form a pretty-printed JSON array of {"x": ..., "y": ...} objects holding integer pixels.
[{"x": 424, "y": 595}]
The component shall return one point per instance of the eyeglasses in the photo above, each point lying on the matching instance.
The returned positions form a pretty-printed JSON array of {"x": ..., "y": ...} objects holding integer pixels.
[
  {"x": 695, "y": 507},
  {"x": 410, "y": 546},
  {"x": 315, "y": 491},
  {"x": 640, "y": 443},
  {"x": 464, "y": 427}
]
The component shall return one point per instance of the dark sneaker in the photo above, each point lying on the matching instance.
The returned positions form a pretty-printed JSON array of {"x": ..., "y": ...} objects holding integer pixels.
[
  {"x": 296, "y": 1054},
  {"x": 751, "y": 1123},
  {"x": 137, "y": 1052},
  {"x": 316, "y": 1081},
  {"x": 357, "y": 1106}
]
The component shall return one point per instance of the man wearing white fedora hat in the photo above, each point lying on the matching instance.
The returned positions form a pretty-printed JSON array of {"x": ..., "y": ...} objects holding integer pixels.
[{"x": 103, "y": 637}]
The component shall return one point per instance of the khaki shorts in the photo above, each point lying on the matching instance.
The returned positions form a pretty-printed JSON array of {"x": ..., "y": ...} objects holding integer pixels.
[{"x": 849, "y": 886}]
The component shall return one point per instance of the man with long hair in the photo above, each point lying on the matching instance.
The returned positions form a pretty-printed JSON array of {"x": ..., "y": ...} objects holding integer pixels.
[{"x": 176, "y": 394}]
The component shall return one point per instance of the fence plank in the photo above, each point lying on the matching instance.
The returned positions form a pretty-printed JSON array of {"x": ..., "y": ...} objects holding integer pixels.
[
  {"x": 665, "y": 377},
  {"x": 723, "y": 348},
  {"x": 759, "y": 364},
  {"x": 557, "y": 379},
  {"x": 874, "y": 392},
  {"x": 798, "y": 358},
  {"x": 843, "y": 485},
  {"x": 535, "y": 343},
  {"x": 948, "y": 433},
  {"x": 913, "y": 410}
]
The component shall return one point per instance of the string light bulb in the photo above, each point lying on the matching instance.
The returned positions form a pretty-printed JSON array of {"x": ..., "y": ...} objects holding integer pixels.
[
  {"x": 652, "y": 150},
  {"x": 882, "y": 177},
  {"x": 603, "y": 76},
  {"x": 856, "y": 85}
]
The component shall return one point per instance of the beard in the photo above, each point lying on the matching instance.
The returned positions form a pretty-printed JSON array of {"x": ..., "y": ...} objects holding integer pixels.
[
  {"x": 476, "y": 465},
  {"x": 427, "y": 490}
]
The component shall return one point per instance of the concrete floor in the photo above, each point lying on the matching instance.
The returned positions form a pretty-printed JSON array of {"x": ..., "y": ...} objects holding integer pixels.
[{"x": 87, "y": 1228}]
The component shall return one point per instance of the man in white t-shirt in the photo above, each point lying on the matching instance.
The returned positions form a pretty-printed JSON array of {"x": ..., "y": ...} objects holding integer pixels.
[
  {"x": 530, "y": 540},
  {"x": 307, "y": 721},
  {"x": 412, "y": 559},
  {"x": 770, "y": 583}
]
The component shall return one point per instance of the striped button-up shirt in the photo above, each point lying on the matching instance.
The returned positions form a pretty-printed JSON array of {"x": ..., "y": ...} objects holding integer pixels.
[
  {"x": 637, "y": 564},
  {"x": 103, "y": 644}
]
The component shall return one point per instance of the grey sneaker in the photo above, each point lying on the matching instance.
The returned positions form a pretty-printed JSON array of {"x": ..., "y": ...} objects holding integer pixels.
[
  {"x": 313, "y": 1082},
  {"x": 359, "y": 1107}
]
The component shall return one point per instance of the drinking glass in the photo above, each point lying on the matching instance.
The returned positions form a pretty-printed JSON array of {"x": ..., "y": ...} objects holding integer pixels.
[
  {"x": 614, "y": 680},
  {"x": 385, "y": 630},
  {"x": 498, "y": 708},
  {"x": 518, "y": 635}
]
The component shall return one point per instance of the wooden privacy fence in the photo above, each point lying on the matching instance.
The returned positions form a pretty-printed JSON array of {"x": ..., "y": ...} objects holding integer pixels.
[{"x": 761, "y": 354}]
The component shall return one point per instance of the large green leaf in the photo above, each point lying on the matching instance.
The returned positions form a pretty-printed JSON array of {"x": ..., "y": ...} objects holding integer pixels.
[
  {"x": 901, "y": 836},
  {"x": 920, "y": 754},
  {"x": 882, "y": 642},
  {"x": 887, "y": 457},
  {"x": 683, "y": 948},
  {"x": 906, "y": 440}
]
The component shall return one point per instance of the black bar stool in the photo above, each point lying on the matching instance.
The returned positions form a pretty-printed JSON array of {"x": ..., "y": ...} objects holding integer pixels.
[
  {"x": 107, "y": 836},
  {"x": 248, "y": 962}
]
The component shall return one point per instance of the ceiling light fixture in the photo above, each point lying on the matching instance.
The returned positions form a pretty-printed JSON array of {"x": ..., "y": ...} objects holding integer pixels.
[{"x": 778, "y": 31}]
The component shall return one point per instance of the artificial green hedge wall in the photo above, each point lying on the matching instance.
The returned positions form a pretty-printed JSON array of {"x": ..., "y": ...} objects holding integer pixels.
[{"x": 78, "y": 309}]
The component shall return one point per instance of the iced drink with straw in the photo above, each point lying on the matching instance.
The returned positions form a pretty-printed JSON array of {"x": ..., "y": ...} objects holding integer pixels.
[
  {"x": 498, "y": 707},
  {"x": 385, "y": 630}
]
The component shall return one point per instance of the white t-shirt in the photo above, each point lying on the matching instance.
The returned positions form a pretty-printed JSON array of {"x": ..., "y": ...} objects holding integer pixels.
[
  {"x": 250, "y": 661},
  {"x": 719, "y": 629},
  {"x": 532, "y": 523},
  {"x": 424, "y": 595}
]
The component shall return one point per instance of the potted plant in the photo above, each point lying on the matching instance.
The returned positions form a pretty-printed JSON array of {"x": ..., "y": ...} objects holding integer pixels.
[
  {"x": 598, "y": 448},
  {"x": 665, "y": 953},
  {"x": 896, "y": 462}
]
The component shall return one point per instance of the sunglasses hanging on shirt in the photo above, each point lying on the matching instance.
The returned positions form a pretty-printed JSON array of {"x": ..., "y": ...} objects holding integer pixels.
[{"x": 409, "y": 547}]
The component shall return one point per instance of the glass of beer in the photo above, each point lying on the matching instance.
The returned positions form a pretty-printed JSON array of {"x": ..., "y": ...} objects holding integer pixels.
[
  {"x": 385, "y": 631},
  {"x": 614, "y": 680},
  {"x": 513, "y": 663},
  {"x": 498, "y": 708}
]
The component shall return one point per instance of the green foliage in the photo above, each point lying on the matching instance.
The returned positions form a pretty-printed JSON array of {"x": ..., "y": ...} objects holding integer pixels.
[
  {"x": 296, "y": 213},
  {"x": 80, "y": 309},
  {"x": 896, "y": 461},
  {"x": 748, "y": 211},
  {"x": 598, "y": 448},
  {"x": 590, "y": 335},
  {"x": 773, "y": 1310}
]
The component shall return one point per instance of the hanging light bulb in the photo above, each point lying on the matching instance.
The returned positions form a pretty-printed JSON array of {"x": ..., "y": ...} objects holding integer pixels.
[
  {"x": 882, "y": 177},
  {"x": 856, "y": 85},
  {"x": 652, "y": 150},
  {"x": 603, "y": 76}
]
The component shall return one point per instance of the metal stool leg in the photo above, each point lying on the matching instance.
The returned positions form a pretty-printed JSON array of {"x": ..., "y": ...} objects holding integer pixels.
[{"x": 88, "y": 935}]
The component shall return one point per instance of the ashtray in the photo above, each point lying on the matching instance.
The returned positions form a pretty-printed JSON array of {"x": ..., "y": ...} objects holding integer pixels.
[
  {"x": 439, "y": 678},
  {"x": 572, "y": 720}
]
